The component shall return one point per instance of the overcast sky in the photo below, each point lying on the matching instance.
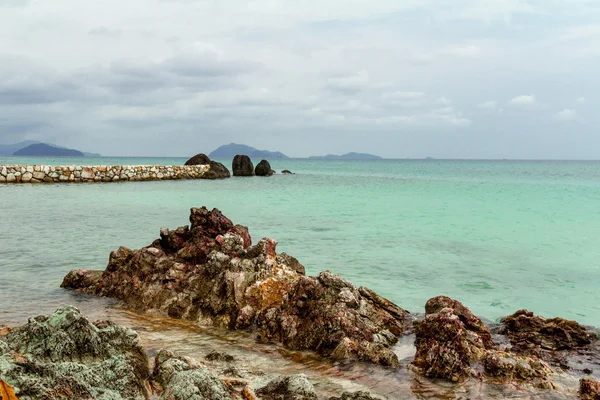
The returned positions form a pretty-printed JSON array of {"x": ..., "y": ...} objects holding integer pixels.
[{"x": 397, "y": 78}]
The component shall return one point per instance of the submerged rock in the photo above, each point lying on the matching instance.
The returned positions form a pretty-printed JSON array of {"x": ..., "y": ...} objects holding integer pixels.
[
  {"x": 211, "y": 273},
  {"x": 242, "y": 166},
  {"x": 198, "y": 159},
  {"x": 263, "y": 168},
  {"x": 287, "y": 171},
  {"x": 65, "y": 356}
]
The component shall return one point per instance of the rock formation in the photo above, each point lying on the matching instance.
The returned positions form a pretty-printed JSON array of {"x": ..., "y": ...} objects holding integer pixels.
[
  {"x": 216, "y": 170},
  {"x": 263, "y": 169},
  {"x": 64, "y": 356},
  {"x": 242, "y": 166},
  {"x": 198, "y": 159},
  {"x": 453, "y": 344},
  {"x": 211, "y": 273},
  {"x": 589, "y": 389}
]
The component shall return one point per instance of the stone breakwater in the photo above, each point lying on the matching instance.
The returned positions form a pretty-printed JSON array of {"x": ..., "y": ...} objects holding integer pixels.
[{"x": 103, "y": 173}]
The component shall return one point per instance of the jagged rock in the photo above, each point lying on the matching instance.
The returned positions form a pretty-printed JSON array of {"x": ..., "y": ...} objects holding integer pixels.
[
  {"x": 64, "y": 356},
  {"x": 454, "y": 344},
  {"x": 210, "y": 273},
  {"x": 263, "y": 168},
  {"x": 181, "y": 378},
  {"x": 534, "y": 335},
  {"x": 292, "y": 387},
  {"x": 198, "y": 159},
  {"x": 355, "y": 396},
  {"x": 219, "y": 356},
  {"x": 216, "y": 171},
  {"x": 242, "y": 166},
  {"x": 589, "y": 389}
]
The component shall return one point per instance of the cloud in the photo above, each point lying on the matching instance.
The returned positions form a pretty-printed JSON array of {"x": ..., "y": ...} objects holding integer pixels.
[
  {"x": 523, "y": 100},
  {"x": 581, "y": 32},
  {"x": 349, "y": 84},
  {"x": 105, "y": 32},
  {"x": 465, "y": 51},
  {"x": 581, "y": 99},
  {"x": 568, "y": 114}
]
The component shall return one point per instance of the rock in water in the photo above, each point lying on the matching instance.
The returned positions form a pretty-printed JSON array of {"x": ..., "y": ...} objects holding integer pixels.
[
  {"x": 286, "y": 171},
  {"x": 242, "y": 166},
  {"x": 263, "y": 169},
  {"x": 216, "y": 171},
  {"x": 454, "y": 344},
  {"x": 198, "y": 159},
  {"x": 211, "y": 273},
  {"x": 535, "y": 335},
  {"x": 64, "y": 356}
]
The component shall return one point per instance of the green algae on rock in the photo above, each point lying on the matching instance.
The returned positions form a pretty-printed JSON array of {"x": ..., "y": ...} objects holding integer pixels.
[{"x": 65, "y": 356}]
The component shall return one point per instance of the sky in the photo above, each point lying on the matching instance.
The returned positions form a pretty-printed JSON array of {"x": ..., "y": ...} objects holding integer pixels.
[{"x": 488, "y": 79}]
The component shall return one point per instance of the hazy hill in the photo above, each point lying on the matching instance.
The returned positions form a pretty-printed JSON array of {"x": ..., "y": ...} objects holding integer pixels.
[
  {"x": 232, "y": 149},
  {"x": 347, "y": 156},
  {"x": 45, "y": 150},
  {"x": 11, "y": 149}
]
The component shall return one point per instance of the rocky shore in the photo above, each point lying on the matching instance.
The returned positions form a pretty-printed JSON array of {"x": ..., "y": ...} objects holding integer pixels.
[{"x": 210, "y": 273}]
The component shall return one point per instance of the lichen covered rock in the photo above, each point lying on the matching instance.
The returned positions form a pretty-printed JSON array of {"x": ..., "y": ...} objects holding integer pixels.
[
  {"x": 65, "y": 356},
  {"x": 210, "y": 272},
  {"x": 182, "y": 378},
  {"x": 290, "y": 387}
]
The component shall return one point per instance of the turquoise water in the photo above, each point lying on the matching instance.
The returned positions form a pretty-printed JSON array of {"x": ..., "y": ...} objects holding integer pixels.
[{"x": 497, "y": 235}]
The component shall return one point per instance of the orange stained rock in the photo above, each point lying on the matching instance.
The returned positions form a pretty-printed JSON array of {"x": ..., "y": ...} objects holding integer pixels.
[{"x": 6, "y": 391}]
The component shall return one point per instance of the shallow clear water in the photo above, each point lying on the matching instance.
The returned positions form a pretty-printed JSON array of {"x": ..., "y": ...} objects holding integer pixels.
[{"x": 497, "y": 235}]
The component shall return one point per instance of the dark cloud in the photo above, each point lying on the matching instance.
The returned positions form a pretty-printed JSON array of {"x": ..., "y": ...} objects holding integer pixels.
[{"x": 24, "y": 93}]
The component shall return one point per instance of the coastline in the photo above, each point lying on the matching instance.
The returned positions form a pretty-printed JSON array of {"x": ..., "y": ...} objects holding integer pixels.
[{"x": 100, "y": 173}]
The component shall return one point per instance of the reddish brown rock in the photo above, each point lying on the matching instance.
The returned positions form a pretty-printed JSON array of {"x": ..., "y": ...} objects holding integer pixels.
[
  {"x": 589, "y": 389},
  {"x": 453, "y": 344},
  {"x": 210, "y": 273}
]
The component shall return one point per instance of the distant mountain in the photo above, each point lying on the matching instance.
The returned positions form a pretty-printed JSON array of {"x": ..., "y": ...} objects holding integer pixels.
[
  {"x": 11, "y": 149},
  {"x": 347, "y": 156},
  {"x": 233, "y": 149},
  {"x": 45, "y": 150}
]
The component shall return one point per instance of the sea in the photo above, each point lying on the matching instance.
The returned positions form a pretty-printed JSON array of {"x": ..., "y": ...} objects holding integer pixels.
[{"x": 497, "y": 235}]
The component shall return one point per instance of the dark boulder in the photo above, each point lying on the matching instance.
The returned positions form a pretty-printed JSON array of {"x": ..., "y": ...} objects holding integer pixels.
[
  {"x": 216, "y": 171},
  {"x": 286, "y": 171},
  {"x": 242, "y": 166},
  {"x": 198, "y": 159},
  {"x": 263, "y": 169}
]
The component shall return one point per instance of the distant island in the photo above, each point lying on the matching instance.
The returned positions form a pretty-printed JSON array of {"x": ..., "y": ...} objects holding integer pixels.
[
  {"x": 347, "y": 156},
  {"x": 233, "y": 149},
  {"x": 12, "y": 149},
  {"x": 45, "y": 150}
]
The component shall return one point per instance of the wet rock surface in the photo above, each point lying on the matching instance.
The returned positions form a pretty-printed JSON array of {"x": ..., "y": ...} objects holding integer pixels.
[
  {"x": 263, "y": 168},
  {"x": 453, "y": 344},
  {"x": 242, "y": 166},
  {"x": 209, "y": 272},
  {"x": 65, "y": 356},
  {"x": 291, "y": 387}
]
